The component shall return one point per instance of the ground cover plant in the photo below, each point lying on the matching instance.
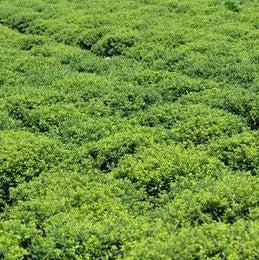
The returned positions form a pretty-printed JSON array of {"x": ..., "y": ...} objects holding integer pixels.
[{"x": 129, "y": 129}]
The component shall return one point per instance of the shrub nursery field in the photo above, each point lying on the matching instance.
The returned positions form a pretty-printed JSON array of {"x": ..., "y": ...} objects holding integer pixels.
[{"x": 129, "y": 129}]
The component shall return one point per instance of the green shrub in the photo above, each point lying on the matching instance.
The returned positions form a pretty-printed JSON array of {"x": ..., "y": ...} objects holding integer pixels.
[
  {"x": 43, "y": 118},
  {"x": 205, "y": 125},
  {"x": 29, "y": 42},
  {"x": 64, "y": 122},
  {"x": 156, "y": 168},
  {"x": 7, "y": 122},
  {"x": 195, "y": 123},
  {"x": 24, "y": 156},
  {"x": 177, "y": 85},
  {"x": 229, "y": 199},
  {"x": 238, "y": 241},
  {"x": 239, "y": 152},
  {"x": 89, "y": 38},
  {"x": 107, "y": 153},
  {"x": 82, "y": 216},
  {"x": 235, "y": 100},
  {"x": 20, "y": 22},
  {"x": 9, "y": 246},
  {"x": 85, "y": 63},
  {"x": 128, "y": 100},
  {"x": 114, "y": 45}
]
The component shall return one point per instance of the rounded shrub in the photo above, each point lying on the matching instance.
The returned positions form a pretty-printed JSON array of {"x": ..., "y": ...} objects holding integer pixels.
[
  {"x": 114, "y": 45},
  {"x": 24, "y": 156},
  {"x": 155, "y": 169},
  {"x": 239, "y": 152}
]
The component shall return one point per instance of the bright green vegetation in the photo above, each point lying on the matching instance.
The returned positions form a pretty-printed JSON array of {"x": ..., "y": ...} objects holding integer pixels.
[{"x": 129, "y": 129}]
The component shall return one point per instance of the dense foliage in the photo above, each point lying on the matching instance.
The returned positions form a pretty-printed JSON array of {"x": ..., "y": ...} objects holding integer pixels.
[{"x": 129, "y": 129}]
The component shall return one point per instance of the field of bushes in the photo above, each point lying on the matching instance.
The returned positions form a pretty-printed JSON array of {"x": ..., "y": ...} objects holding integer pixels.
[{"x": 129, "y": 129}]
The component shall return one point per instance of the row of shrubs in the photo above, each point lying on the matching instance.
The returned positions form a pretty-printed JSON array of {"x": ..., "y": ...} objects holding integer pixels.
[
  {"x": 71, "y": 215},
  {"x": 218, "y": 55},
  {"x": 129, "y": 129}
]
